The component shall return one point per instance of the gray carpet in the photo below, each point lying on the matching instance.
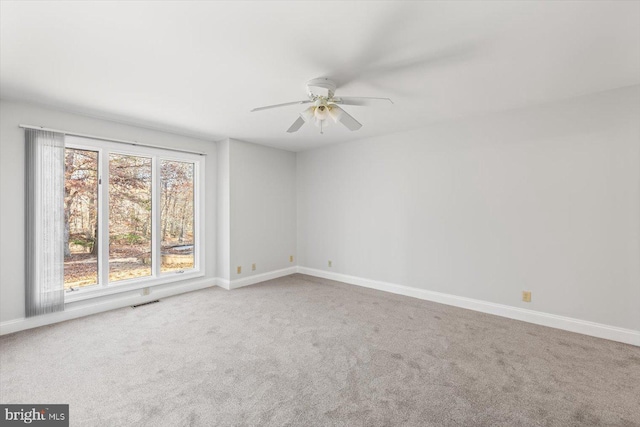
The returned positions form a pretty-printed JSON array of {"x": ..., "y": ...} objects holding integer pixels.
[{"x": 305, "y": 351}]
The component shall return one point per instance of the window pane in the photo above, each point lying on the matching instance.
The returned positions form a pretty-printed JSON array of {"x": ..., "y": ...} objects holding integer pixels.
[
  {"x": 81, "y": 218},
  {"x": 177, "y": 215},
  {"x": 129, "y": 217}
]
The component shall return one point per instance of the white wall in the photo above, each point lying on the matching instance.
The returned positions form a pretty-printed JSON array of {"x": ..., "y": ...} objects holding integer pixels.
[
  {"x": 545, "y": 199},
  {"x": 263, "y": 208},
  {"x": 12, "y": 174},
  {"x": 224, "y": 211}
]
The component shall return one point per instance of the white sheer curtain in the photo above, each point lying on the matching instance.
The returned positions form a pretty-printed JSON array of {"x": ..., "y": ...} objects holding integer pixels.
[{"x": 44, "y": 222}]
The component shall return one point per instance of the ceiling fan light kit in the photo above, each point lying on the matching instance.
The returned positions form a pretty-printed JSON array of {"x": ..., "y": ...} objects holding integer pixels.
[
  {"x": 335, "y": 113},
  {"x": 321, "y": 93},
  {"x": 308, "y": 114}
]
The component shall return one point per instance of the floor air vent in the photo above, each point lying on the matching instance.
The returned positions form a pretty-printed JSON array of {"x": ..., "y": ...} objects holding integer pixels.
[{"x": 145, "y": 303}]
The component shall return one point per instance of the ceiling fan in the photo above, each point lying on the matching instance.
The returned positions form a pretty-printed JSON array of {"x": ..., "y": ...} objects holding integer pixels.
[{"x": 321, "y": 93}]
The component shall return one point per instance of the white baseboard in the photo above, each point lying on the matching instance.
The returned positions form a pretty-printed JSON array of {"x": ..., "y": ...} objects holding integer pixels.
[
  {"x": 585, "y": 327},
  {"x": 223, "y": 283},
  {"x": 252, "y": 280},
  {"x": 21, "y": 324}
]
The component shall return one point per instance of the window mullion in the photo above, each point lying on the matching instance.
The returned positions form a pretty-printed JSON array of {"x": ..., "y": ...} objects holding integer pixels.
[
  {"x": 155, "y": 216},
  {"x": 103, "y": 219},
  {"x": 198, "y": 200}
]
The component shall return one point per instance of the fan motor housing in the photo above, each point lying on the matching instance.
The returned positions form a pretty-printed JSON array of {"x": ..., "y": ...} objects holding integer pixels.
[{"x": 321, "y": 87}]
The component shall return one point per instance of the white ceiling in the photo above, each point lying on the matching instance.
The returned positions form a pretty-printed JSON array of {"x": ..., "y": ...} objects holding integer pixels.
[{"x": 197, "y": 68}]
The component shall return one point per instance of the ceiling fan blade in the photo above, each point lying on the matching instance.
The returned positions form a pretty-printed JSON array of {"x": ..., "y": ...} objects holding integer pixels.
[
  {"x": 358, "y": 100},
  {"x": 349, "y": 122},
  {"x": 384, "y": 40},
  {"x": 296, "y": 125},
  {"x": 442, "y": 57},
  {"x": 281, "y": 105}
]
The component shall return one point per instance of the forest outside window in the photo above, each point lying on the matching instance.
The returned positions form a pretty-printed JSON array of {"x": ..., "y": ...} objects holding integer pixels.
[{"x": 132, "y": 217}]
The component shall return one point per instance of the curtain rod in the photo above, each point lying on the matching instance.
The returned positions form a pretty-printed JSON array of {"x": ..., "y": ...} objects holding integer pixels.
[{"x": 122, "y": 141}]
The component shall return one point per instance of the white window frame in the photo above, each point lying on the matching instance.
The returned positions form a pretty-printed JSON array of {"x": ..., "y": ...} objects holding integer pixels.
[{"x": 104, "y": 149}]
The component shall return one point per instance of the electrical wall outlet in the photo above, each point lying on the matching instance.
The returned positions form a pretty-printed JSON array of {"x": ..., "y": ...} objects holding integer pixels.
[
  {"x": 239, "y": 269},
  {"x": 253, "y": 267},
  {"x": 146, "y": 291},
  {"x": 526, "y": 296},
  {"x": 290, "y": 258},
  {"x": 330, "y": 263}
]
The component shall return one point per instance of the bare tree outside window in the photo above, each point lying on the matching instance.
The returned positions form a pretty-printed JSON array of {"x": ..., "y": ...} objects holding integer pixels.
[
  {"x": 81, "y": 218},
  {"x": 177, "y": 215},
  {"x": 130, "y": 224}
]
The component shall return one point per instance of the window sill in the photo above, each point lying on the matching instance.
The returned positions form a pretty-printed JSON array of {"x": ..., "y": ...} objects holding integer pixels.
[{"x": 128, "y": 286}]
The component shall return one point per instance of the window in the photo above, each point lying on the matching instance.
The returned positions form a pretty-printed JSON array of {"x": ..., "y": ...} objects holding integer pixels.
[{"x": 132, "y": 217}]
